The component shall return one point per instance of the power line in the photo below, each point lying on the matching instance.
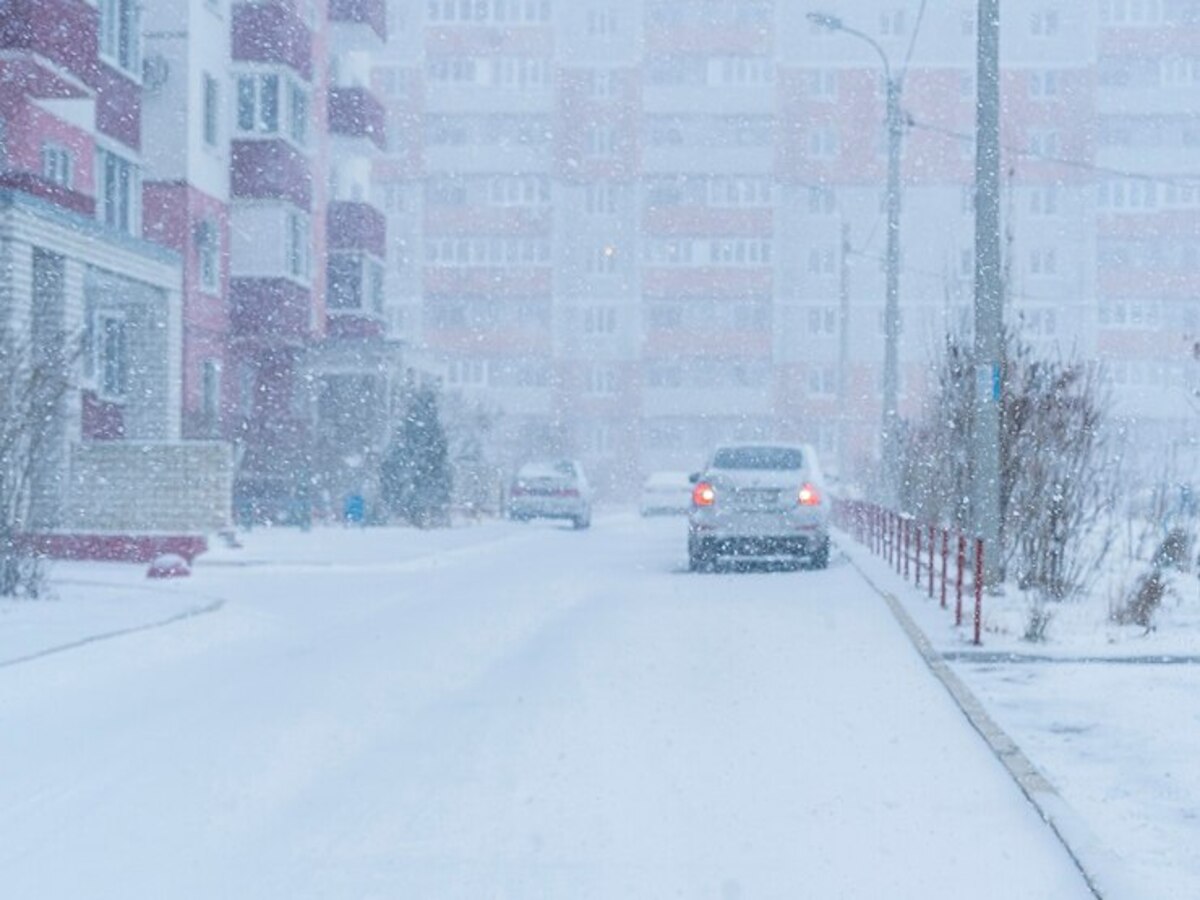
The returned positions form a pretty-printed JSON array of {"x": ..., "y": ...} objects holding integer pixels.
[
  {"x": 912, "y": 44},
  {"x": 1067, "y": 162}
]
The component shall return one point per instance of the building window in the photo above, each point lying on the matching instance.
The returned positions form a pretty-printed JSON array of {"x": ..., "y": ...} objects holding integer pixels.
[
  {"x": 823, "y": 142},
  {"x": 298, "y": 107},
  {"x": 211, "y": 111},
  {"x": 601, "y": 141},
  {"x": 120, "y": 34},
  {"x": 602, "y": 22},
  {"x": 345, "y": 282},
  {"x": 598, "y": 320},
  {"x": 603, "y": 83},
  {"x": 1043, "y": 84},
  {"x": 210, "y": 392},
  {"x": 601, "y": 198},
  {"x": 56, "y": 165},
  {"x": 208, "y": 248},
  {"x": 892, "y": 23},
  {"x": 603, "y": 260},
  {"x": 822, "y": 83},
  {"x": 112, "y": 355},
  {"x": 602, "y": 380},
  {"x": 822, "y": 201},
  {"x": 297, "y": 249},
  {"x": 1044, "y": 23},
  {"x": 258, "y": 103},
  {"x": 119, "y": 191}
]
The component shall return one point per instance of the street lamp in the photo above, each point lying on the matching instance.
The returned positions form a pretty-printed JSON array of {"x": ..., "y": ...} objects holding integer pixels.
[{"x": 891, "y": 311}]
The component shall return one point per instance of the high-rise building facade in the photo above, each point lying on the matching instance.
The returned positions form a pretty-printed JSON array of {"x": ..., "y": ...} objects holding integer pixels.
[{"x": 641, "y": 227}]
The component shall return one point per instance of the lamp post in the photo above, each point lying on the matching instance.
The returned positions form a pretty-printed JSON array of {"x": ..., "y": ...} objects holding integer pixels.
[{"x": 891, "y": 311}]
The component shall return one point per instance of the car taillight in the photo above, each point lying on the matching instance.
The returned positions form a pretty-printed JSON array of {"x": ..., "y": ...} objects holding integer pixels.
[
  {"x": 809, "y": 496},
  {"x": 703, "y": 494}
]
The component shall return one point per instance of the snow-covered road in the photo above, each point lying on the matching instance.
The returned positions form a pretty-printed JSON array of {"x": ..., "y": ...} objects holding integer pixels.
[{"x": 507, "y": 712}]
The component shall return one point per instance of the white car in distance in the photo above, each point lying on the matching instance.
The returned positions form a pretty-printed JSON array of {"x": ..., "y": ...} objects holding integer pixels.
[
  {"x": 666, "y": 493},
  {"x": 553, "y": 489}
]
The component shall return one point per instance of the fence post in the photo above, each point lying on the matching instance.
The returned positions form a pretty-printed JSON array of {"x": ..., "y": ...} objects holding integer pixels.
[
  {"x": 978, "y": 589},
  {"x": 917, "y": 529},
  {"x": 932, "y": 544},
  {"x": 945, "y": 555},
  {"x": 962, "y": 562},
  {"x": 906, "y": 538}
]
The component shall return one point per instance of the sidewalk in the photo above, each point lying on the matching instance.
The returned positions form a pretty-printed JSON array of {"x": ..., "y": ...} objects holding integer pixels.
[
  {"x": 89, "y": 602},
  {"x": 1108, "y": 716}
]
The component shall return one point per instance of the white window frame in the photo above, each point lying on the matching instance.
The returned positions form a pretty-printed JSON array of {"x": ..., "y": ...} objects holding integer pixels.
[
  {"x": 208, "y": 256},
  {"x": 210, "y": 123},
  {"x": 297, "y": 246},
  {"x": 120, "y": 36},
  {"x": 110, "y": 370},
  {"x": 123, "y": 213},
  {"x": 58, "y": 164}
]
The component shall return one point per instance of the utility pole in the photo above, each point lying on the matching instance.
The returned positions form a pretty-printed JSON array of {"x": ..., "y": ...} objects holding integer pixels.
[
  {"x": 989, "y": 291},
  {"x": 844, "y": 351},
  {"x": 891, "y": 310}
]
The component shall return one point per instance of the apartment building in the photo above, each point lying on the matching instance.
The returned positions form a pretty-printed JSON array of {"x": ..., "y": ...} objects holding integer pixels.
[
  {"x": 1147, "y": 236},
  {"x": 76, "y": 273},
  {"x": 641, "y": 227}
]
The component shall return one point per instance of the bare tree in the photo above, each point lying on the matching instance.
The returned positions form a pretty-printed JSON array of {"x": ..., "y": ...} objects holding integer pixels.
[
  {"x": 33, "y": 380},
  {"x": 1057, "y": 479}
]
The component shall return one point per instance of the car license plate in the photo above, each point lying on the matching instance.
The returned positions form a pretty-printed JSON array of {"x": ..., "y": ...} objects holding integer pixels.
[{"x": 756, "y": 499}]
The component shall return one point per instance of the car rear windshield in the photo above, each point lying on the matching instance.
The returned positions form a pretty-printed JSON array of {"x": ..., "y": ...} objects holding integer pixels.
[
  {"x": 758, "y": 458},
  {"x": 560, "y": 469}
]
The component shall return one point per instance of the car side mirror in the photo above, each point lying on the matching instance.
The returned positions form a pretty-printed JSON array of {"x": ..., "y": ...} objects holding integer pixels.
[{"x": 694, "y": 478}]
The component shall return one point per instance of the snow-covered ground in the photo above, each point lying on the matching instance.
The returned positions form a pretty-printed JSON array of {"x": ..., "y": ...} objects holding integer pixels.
[
  {"x": 499, "y": 711},
  {"x": 1108, "y": 713}
]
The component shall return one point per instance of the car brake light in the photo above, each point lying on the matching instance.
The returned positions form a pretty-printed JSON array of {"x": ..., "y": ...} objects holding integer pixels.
[
  {"x": 703, "y": 494},
  {"x": 809, "y": 496}
]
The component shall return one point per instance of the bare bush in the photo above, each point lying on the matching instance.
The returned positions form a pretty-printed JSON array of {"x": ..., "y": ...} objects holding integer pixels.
[
  {"x": 1057, "y": 480},
  {"x": 33, "y": 380}
]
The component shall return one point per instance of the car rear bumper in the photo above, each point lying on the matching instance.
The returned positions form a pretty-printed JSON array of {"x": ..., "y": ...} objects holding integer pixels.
[
  {"x": 546, "y": 508},
  {"x": 763, "y": 546}
]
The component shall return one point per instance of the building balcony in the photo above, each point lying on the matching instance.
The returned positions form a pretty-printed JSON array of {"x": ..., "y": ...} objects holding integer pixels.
[
  {"x": 490, "y": 220},
  {"x": 713, "y": 40},
  {"x": 357, "y": 226},
  {"x": 708, "y": 281},
  {"x": 272, "y": 32},
  {"x": 484, "y": 281},
  {"x": 707, "y": 220},
  {"x": 709, "y": 403},
  {"x": 37, "y": 186},
  {"x": 274, "y": 309},
  {"x": 358, "y": 25},
  {"x": 60, "y": 38},
  {"x": 270, "y": 169},
  {"x": 354, "y": 326},
  {"x": 355, "y": 113}
]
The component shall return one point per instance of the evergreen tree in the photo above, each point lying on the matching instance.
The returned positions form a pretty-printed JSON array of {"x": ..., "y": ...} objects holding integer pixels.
[{"x": 415, "y": 476}]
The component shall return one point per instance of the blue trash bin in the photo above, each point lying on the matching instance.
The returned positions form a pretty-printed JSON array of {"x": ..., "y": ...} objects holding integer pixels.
[{"x": 354, "y": 510}]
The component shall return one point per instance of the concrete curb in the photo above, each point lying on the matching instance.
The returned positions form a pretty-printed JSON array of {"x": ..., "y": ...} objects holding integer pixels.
[
  {"x": 186, "y": 614},
  {"x": 1099, "y": 866}
]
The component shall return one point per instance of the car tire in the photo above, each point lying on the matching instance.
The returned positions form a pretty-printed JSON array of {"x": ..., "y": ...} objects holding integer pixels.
[
  {"x": 699, "y": 558},
  {"x": 584, "y": 521},
  {"x": 820, "y": 559}
]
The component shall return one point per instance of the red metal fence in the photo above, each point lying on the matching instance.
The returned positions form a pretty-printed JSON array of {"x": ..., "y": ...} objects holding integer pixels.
[{"x": 915, "y": 549}]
